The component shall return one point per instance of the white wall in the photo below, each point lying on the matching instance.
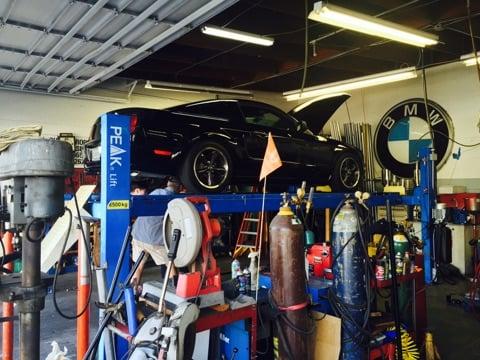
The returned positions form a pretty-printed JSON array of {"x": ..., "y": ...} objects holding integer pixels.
[
  {"x": 75, "y": 115},
  {"x": 454, "y": 87}
]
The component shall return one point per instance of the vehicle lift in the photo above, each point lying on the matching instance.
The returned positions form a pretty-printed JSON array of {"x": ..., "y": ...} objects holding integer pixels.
[{"x": 117, "y": 207}]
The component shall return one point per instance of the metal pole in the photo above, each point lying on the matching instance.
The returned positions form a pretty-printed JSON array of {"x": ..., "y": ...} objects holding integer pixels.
[
  {"x": 83, "y": 284},
  {"x": 102, "y": 297},
  {"x": 393, "y": 271},
  {"x": 108, "y": 315},
  {"x": 31, "y": 277},
  {"x": 7, "y": 333}
]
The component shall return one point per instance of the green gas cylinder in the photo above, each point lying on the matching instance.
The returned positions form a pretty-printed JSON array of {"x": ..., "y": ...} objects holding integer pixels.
[
  {"x": 309, "y": 238},
  {"x": 401, "y": 246},
  {"x": 400, "y": 243}
]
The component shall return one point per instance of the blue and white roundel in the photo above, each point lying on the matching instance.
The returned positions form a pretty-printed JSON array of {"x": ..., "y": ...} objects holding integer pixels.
[
  {"x": 404, "y": 130},
  {"x": 407, "y": 137}
]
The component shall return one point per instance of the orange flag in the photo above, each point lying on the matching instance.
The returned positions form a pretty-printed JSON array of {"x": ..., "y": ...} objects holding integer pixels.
[{"x": 271, "y": 160}]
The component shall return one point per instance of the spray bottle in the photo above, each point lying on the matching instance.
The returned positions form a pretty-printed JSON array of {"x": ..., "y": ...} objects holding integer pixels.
[
  {"x": 235, "y": 268},
  {"x": 253, "y": 270}
]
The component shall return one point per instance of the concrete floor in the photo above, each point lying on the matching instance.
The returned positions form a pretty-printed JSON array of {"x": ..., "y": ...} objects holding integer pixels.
[{"x": 455, "y": 330}]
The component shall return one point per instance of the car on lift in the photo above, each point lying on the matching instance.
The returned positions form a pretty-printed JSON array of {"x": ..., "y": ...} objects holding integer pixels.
[{"x": 212, "y": 144}]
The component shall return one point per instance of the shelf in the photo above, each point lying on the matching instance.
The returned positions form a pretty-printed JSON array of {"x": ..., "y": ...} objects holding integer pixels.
[{"x": 400, "y": 279}]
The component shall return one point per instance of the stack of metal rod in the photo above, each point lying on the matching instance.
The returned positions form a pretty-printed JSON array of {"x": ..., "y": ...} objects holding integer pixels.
[
  {"x": 359, "y": 135},
  {"x": 335, "y": 130}
]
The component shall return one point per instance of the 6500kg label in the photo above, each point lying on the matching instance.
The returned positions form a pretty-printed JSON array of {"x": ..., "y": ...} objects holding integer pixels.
[{"x": 118, "y": 205}]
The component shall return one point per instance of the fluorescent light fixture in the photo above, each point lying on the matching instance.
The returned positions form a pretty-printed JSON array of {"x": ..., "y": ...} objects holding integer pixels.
[
  {"x": 190, "y": 88},
  {"x": 355, "y": 21},
  {"x": 469, "y": 59},
  {"x": 237, "y": 35},
  {"x": 352, "y": 84}
]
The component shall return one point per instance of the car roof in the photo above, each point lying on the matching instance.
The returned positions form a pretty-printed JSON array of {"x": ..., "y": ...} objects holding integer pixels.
[{"x": 182, "y": 106}]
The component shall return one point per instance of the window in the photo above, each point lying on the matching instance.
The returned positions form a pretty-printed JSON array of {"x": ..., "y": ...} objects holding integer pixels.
[
  {"x": 224, "y": 110},
  {"x": 257, "y": 115}
]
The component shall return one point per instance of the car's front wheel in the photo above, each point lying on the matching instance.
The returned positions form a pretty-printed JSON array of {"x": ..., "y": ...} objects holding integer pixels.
[
  {"x": 206, "y": 168},
  {"x": 347, "y": 173}
]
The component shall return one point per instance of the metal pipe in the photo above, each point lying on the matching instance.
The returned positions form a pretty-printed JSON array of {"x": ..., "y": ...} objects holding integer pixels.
[
  {"x": 31, "y": 277},
  {"x": 78, "y": 25},
  {"x": 161, "y": 301},
  {"x": 394, "y": 291},
  {"x": 83, "y": 285},
  {"x": 106, "y": 336},
  {"x": 175, "y": 31},
  {"x": 7, "y": 311},
  {"x": 118, "y": 35},
  {"x": 108, "y": 315}
]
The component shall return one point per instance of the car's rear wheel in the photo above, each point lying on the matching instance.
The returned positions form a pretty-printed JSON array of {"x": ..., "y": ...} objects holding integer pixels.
[
  {"x": 347, "y": 173},
  {"x": 206, "y": 168}
]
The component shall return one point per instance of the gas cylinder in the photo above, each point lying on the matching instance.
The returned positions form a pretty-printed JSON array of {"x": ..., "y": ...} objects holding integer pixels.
[
  {"x": 287, "y": 267},
  {"x": 349, "y": 279},
  {"x": 401, "y": 246},
  {"x": 400, "y": 242}
]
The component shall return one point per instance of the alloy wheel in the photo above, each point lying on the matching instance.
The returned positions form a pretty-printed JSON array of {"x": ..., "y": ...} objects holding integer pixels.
[
  {"x": 210, "y": 167},
  {"x": 349, "y": 172}
]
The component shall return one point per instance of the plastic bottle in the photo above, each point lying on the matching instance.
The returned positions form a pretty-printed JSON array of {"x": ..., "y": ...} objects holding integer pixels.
[
  {"x": 248, "y": 280},
  {"x": 235, "y": 268},
  {"x": 242, "y": 283},
  {"x": 406, "y": 263},
  {"x": 253, "y": 270},
  {"x": 398, "y": 263}
]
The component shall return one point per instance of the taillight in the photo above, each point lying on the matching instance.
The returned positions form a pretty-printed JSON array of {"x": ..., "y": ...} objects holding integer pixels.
[
  {"x": 133, "y": 123},
  {"x": 161, "y": 152}
]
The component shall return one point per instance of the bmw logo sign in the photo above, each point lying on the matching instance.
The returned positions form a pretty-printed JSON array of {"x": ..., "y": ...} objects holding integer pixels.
[{"x": 404, "y": 129}]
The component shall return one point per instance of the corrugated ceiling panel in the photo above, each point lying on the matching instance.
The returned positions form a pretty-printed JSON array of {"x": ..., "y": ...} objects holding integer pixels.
[{"x": 24, "y": 30}]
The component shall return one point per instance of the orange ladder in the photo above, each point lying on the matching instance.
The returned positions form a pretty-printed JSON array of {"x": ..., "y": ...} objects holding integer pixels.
[{"x": 249, "y": 235}]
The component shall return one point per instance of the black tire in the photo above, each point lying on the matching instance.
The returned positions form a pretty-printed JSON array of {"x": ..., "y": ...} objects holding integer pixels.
[
  {"x": 347, "y": 173},
  {"x": 207, "y": 168}
]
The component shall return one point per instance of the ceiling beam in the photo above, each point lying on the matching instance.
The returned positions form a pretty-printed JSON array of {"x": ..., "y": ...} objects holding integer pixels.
[
  {"x": 52, "y": 75},
  {"x": 56, "y": 32},
  {"x": 13, "y": 50}
]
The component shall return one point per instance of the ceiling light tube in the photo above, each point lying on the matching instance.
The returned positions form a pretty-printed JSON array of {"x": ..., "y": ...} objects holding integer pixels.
[
  {"x": 352, "y": 84},
  {"x": 190, "y": 88},
  {"x": 470, "y": 59},
  {"x": 237, "y": 35},
  {"x": 355, "y": 21}
]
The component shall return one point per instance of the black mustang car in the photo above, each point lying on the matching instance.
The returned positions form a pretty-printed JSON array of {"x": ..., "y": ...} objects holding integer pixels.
[{"x": 212, "y": 144}]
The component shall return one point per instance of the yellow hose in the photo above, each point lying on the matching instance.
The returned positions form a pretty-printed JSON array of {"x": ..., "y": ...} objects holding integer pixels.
[{"x": 409, "y": 348}]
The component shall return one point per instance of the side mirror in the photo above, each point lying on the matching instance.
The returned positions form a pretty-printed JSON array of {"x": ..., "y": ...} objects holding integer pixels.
[{"x": 302, "y": 126}]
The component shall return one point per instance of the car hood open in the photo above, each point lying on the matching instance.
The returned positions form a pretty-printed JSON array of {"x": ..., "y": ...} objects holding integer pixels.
[{"x": 316, "y": 113}]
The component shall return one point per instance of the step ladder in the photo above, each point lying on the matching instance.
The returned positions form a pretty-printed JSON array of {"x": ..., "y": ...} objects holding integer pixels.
[{"x": 248, "y": 238}]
